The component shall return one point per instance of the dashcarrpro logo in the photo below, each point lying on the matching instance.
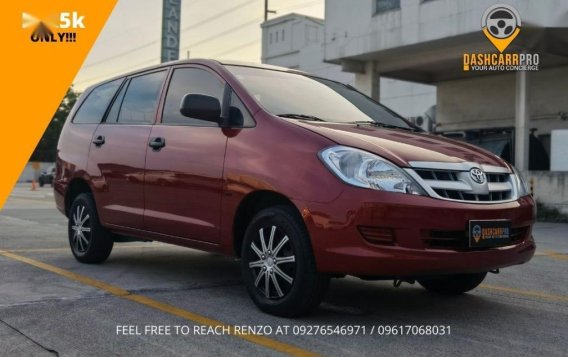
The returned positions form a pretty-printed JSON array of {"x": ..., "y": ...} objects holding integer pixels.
[
  {"x": 61, "y": 27},
  {"x": 501, "y": 24}
]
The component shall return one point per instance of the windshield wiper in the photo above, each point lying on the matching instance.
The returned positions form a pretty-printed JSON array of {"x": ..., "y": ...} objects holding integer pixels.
[
  {"x": 300, "y": 116},
  {"x": 382, "y": 125}
]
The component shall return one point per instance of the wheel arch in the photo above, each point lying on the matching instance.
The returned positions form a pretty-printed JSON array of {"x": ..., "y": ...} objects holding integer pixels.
[
  {"x": 249, "y": 206},
  {"x": 76, "y": 187}
]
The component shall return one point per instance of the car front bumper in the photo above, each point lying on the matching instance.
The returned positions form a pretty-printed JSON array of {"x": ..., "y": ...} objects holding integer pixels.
[{"x": 381, "y": 234}]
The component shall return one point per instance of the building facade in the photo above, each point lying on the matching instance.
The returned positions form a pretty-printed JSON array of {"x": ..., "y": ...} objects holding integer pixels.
[
  {"x": 298, "y": 41},
  {"x": 403, "y": 52},
  {"x": 424, "y": 41}
]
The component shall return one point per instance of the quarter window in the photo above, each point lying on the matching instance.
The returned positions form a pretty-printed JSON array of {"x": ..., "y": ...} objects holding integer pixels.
[
  {"x": 240, "y": 116},
  {"x": 94, "y": 107},
  {"x": 190, "y": 81},
  {"x": 141, "y": 99}
]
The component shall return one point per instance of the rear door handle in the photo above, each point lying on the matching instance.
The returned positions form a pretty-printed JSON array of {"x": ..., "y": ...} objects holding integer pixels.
[
  {"x": 99, "y": 140},
  {"x": 157, "y": 143}
]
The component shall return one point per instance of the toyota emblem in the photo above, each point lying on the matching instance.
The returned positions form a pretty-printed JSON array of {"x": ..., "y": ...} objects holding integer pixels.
[{"x": 477, "y": 175}]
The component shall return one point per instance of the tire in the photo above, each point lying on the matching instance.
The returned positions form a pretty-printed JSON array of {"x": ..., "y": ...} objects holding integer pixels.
[
  {"x": 41, "y": 183},
  {"x": 295, "y": 287},
  {"x": 90, "y": 242},
  {"x": 452, "y": 284}
]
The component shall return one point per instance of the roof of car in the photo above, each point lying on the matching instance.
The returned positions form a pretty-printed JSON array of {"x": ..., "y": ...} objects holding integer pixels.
[
  {"x": 256, "y": 65},
  {"x": 204, "y": 62}
]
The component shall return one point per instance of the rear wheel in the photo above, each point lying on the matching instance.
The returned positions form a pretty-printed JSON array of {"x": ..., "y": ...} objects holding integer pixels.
[
  {"x": 90, "y": 242},
  {"x": 41, "y": 183},
  {"x": 452, "y": 284},
  {"x": 278, "y": 265}
]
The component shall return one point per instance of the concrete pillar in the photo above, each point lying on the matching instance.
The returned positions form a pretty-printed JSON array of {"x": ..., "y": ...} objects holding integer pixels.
[
  {"x": 368, "y": 82},
  {"x": 522, "y": 121}
]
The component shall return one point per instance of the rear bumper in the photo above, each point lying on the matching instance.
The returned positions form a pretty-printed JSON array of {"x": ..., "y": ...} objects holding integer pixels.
[{"x": 373, "y": 233}]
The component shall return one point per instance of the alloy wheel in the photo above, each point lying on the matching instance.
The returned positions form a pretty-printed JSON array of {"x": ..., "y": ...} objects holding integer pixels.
[
  {"x": 81, "y": 227},
  {"x": 274, "y": 269}
]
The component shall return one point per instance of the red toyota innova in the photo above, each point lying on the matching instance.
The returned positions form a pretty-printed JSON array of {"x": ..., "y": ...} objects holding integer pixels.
[{"x": 300, "y": 177}]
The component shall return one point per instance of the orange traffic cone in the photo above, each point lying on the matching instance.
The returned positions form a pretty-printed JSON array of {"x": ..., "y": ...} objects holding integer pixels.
[{"x": 34, "y": 186}]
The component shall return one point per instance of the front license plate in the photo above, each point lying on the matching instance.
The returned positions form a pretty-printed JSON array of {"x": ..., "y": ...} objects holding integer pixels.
[{"x": 487, "y": 234}]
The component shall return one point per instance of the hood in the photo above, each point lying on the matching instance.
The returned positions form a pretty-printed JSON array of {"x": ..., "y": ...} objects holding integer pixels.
[{"x": 401, "y": 146}]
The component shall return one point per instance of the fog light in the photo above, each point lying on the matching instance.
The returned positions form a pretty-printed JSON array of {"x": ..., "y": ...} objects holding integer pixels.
[{"x": 377, "y": 235}]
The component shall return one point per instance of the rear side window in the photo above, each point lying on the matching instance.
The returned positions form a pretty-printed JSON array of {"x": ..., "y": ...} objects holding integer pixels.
[
  {"x": 94, "y": 107},
  {"x": 141, "y": 99},
  {"x": 190, "y": 81}
]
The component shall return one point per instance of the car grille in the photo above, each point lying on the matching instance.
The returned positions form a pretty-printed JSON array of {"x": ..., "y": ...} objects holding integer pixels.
[{"x": 452, "y": 181}]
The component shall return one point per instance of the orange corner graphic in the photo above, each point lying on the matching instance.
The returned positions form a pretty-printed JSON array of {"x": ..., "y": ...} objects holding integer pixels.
[{"x": 45, "y": 43}]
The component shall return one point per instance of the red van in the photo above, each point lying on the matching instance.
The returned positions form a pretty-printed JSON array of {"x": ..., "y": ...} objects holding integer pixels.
[{"x": 300, "y": 177}]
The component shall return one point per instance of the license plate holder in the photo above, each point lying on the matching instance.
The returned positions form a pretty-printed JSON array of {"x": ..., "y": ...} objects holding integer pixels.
[{"x": 489, "y": 233}]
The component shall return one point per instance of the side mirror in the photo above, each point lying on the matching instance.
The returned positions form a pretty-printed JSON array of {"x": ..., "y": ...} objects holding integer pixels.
[
  {"x": 236, "y": 117},
  {"x": 201, "y": 107}
]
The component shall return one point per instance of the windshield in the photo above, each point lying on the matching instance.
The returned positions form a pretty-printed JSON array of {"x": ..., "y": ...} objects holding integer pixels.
[{"x": 299, "y": 96}]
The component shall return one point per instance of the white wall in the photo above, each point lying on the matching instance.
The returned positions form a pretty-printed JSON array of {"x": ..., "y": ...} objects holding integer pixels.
[
  {"x": 550, "y": 188},
  {"x": 311, "y": 61},
  {"x": 273, "y": 46},
  {"x": 408, "y": 99},
  {"x": 353, "y": 29},
  {"x": 489, "y": 101},
  {"x": 304, "y": 50},
  {"x": 286, "y": 36},
  {"x": 559, "y": 150}
]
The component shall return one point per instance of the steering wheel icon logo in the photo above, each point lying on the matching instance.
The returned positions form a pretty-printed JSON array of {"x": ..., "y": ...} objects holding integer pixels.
[{"x": 501, "y": 24}]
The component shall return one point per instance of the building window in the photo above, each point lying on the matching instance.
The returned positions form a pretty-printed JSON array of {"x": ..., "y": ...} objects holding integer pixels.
[
  {"x": 282, "y": 35},
  {"x": 386, "y": 5},
  {"x": 270, "y": 38},
  {"x": 276, "y": 33}
]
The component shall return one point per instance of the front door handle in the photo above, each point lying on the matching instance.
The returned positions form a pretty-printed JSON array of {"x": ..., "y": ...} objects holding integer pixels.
[
  {"x": 99, "y": 140},
  {"x": 157, "y": 143}
]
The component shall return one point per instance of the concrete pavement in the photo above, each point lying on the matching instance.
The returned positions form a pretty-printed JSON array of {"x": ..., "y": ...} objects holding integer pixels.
[{"x": 521, "y": 311}]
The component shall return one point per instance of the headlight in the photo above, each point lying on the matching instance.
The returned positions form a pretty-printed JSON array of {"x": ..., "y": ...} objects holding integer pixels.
[
  {"x": 362, "y": 169},
  {"x": 522, "y": 187}
]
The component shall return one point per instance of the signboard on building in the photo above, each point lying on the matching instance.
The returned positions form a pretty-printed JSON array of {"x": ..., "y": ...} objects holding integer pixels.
[{"x": 171, "y": 12}]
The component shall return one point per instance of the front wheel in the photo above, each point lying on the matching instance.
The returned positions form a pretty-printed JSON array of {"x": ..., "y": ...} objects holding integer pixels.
[
  {"x": 278, "y": 265},
  {"x": 90, "y": 242},
  {"x": 452, "y": 284}
]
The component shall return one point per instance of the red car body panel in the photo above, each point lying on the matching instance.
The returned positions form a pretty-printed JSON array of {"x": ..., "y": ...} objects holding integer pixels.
[
  {"x": 402, "y": 147},
  {"x": 116, "y": 171},
  {"x": 341, "y": 248},
  {"x": 293, "y": 167},
  {"x": 184, "y": 182},
  {"x": 188, "y": 193}
]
